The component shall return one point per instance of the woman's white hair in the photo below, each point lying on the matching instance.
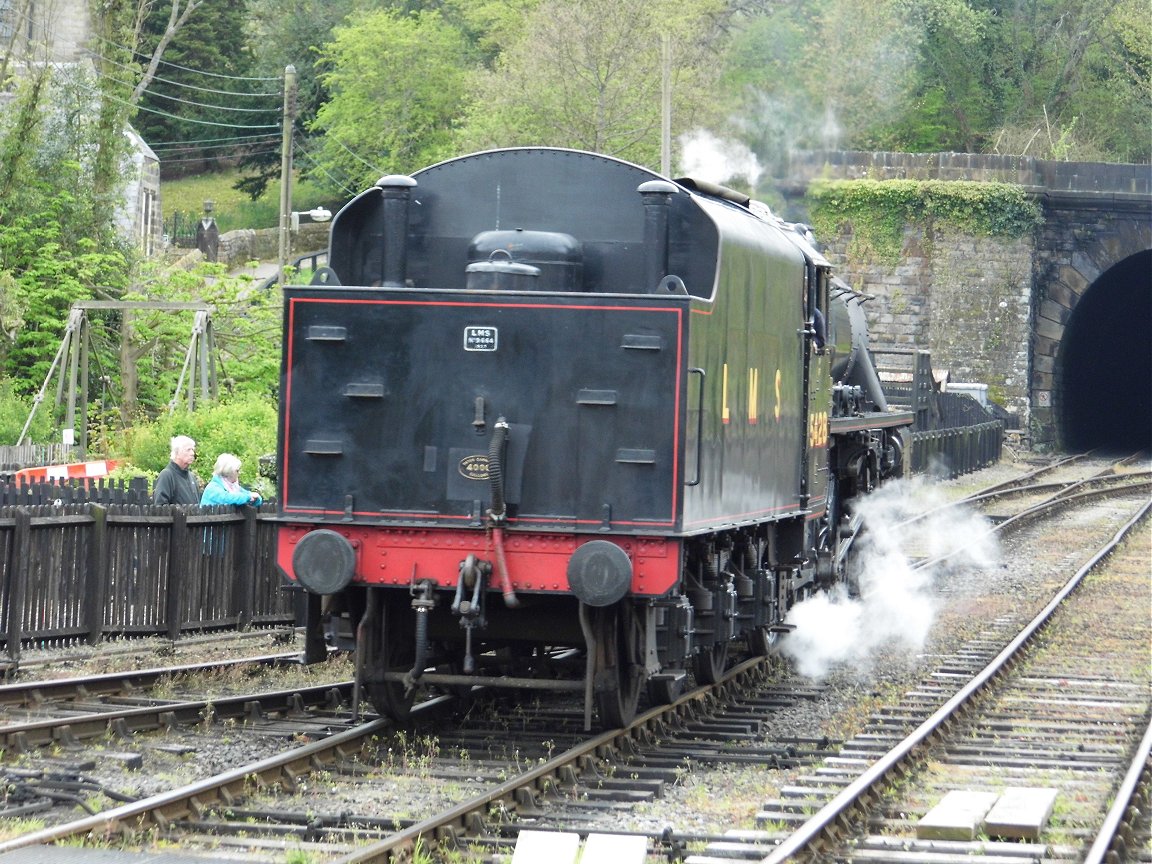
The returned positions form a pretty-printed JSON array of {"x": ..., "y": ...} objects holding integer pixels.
[{"x": 227, "y": 465}]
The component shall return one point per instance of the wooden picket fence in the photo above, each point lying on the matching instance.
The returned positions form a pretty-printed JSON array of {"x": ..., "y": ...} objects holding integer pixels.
[{"x": 78, "y": 572}]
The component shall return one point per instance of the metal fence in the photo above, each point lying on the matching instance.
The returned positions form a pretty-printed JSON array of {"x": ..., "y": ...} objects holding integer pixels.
[
  {"x": 71, "y": 573},
  {"x": 956, "y": 451},
  {"x": 180, "y": 229},
  {"x": 953, "y": 434}
]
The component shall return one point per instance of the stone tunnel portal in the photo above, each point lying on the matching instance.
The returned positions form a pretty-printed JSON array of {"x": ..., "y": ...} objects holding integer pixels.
[{"x": 1104, "y": 388}]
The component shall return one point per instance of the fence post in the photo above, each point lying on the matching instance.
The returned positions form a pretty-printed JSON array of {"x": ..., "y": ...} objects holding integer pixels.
[
  {"x": 246, "y": 584},
  {"x": 21, "y": 552},
  {"x": 178, "y": 567},
  {"x": 97, "y": 582}
]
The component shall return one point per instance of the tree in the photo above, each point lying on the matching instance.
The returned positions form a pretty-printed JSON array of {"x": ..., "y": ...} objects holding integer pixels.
[
  {"x": 588, "y": 74},
  {"x": 283, "y": 33},
  {"x": 55, "y": 247},
  {"x": 397, "y": 85},
  {"x": 1076, "y": 79},
  {"x": 826, "y": 74},
  {"x": 204, "y": 103}
]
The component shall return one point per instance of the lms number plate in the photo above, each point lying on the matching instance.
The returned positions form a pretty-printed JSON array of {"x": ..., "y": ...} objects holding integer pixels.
[{"x": 480, "y": 338}]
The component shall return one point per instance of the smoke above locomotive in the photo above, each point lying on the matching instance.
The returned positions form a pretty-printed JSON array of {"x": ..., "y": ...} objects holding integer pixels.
[{"x": 547, "y": 404}]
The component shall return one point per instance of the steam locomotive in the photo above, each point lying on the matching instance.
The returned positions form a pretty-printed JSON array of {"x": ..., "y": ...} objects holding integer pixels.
[{"x": 550, "y": 420}]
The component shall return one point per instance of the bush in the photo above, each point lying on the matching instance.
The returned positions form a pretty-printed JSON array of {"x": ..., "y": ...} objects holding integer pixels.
[
  {"x": 243, "y": 426},
  {"x": 14, "y": 410},
  {"x": 879, "y": 210}
]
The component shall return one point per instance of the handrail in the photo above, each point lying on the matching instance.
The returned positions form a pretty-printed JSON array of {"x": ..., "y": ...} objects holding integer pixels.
[{"x": 313, "y": 257}]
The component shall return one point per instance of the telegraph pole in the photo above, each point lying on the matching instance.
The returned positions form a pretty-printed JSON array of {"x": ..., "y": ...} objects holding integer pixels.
[
  {"x": 288, "y": 121},
  {"x": 665, "y": 105}
]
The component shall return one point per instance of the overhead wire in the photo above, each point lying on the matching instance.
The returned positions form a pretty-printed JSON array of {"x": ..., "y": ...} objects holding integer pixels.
[
  {"x": 208, "y": 74},
  {"x": 28, "y": 20},
  {"x": 187, "y": 119},
  {"x": 339, "y": 184},
  {"x": 329, "y": 136},
  {"x": 216, "y": 143},
  {"x": 158, "y": 95},
  {"x": 126, "y": 67},
  {"x": 173, "y": 161},
  {"x": 238, "y": 142}
]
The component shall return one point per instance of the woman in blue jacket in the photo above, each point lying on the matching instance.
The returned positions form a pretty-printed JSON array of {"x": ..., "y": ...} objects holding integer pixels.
[{"x": 224, "y": 487}]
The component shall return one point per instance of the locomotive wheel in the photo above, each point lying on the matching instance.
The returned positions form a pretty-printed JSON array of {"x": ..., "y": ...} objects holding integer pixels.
[
  {"x": 709, "y": 664},
  {"x": 762, "y": 641},
  {"x": 618, "y": 664},
  {"x": 396, "y": 652}
]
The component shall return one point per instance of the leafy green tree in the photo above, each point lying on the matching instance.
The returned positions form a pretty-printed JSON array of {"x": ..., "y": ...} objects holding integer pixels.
[
  {"x": 153, "y": 345},
  {"x": 1077, "y": 82},
  {"x": 55, "y": 246},
  {"x": 1050, "y": 78},
  {"x": 957, "y": 93},
  {"x": 588, "y": 74},
  {"x": 291, "y": 32},
  {"x": 490, "y": 26},
  {"x": 397, "y": 84},
  {"x": 14, "y": 412},
  {"x": 825, "y": 74},
  {"x": 115, "y": 30}
]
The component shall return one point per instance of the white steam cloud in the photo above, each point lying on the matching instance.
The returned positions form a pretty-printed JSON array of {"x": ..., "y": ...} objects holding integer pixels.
[
  {"x": 703, "y": 156},
  {"x": 896, "y": 606}
]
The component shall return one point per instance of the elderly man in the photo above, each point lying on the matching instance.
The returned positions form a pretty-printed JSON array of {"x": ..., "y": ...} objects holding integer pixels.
[{"x": 176, "y": 484}]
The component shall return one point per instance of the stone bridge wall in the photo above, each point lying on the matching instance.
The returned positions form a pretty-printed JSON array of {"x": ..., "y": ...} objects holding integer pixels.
[{"x": 990, "y": 310}]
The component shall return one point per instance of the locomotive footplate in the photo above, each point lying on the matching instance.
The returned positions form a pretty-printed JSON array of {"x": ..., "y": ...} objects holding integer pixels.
[{"x": 871, "y": 420}]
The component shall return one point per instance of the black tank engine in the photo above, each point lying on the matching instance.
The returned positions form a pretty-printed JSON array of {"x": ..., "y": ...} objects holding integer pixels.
[{"x": 550, "y": 420}]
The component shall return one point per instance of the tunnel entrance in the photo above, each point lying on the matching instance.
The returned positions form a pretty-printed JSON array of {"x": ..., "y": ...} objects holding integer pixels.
[{"x": 1105, "y": 362}]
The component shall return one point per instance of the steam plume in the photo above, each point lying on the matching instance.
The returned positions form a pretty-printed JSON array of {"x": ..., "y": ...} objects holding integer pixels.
[{"x": 896, "y": 606}]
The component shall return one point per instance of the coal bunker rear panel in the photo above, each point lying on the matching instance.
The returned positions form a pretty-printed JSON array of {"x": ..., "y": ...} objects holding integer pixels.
[{"x": 391, "y": 400}]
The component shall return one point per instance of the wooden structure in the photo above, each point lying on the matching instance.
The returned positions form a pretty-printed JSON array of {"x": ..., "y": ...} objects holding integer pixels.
[
  {"x": 74, "y": 569},
  {"x": 70, "y": 365}
]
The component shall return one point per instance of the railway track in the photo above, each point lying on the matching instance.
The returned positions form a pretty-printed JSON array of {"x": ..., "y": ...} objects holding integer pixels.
[
  {"x": 1039, "y": 487},
  {"x": 557, "y": 778},
  {"x": 1019, "y": 718},
  {"x": 628, "y": 765}
]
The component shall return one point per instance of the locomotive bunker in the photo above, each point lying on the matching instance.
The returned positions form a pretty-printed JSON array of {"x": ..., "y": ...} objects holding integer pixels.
[{"x": 1104, "y": 385}]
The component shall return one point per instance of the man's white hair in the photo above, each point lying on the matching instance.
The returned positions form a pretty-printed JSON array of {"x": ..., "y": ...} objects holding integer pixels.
[{"x": 178, "y": 443}]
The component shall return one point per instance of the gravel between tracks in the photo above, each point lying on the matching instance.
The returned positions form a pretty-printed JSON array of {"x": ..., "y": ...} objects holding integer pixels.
[{"x": 1020, "y": 576}]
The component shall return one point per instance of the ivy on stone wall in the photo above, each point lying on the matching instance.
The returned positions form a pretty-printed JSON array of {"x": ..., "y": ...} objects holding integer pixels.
[{"x": 877, "y": 211}]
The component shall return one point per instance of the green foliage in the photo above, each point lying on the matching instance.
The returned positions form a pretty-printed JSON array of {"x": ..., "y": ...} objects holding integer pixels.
[
  {"x": 1064, "y": 79},
  {"x": 56, "y": 245},
  {"x": 398, "y": 85},
  {"x": 244, "y": 426},
  {"x": 588, "y": 74},
  {"x": 878, "y": 211},
  {"x": 14, "y": 410},
  {"x": 206, "y": 79},
  {"x": 245, "y": 326},
  {"x": 290, "y": 32},
  {"x": 824, "y": 74}
]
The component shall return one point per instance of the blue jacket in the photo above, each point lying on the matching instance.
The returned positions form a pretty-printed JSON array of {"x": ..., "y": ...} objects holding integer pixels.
[{"x": 217, "y": 493}]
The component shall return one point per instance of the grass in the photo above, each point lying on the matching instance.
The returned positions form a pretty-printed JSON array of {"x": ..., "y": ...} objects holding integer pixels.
[{"x": 233, "y": 208}]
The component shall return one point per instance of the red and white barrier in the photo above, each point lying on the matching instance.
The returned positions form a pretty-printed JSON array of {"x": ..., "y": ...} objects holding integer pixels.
[{"x": 74, "y": 471}]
